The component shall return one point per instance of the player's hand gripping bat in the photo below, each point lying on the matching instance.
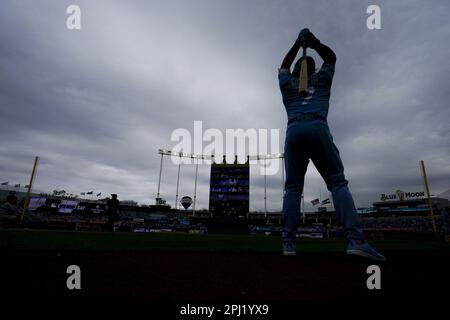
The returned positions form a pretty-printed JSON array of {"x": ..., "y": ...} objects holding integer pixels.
[{"x": 303, "y": 79}]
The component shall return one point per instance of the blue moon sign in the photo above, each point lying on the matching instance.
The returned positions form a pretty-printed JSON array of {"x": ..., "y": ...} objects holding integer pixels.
[{"x": 186, "y": 202}]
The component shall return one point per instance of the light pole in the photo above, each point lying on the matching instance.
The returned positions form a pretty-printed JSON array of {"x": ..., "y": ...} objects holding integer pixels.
[
  {"x": 195, "y": 187},
  {"x": 160, "y": 171},
  {"x": 178, "y": 182},
  {"x": 265, "y": 189}
]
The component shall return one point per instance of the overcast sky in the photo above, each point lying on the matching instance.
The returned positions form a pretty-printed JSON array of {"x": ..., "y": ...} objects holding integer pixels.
[{"x": 96, "y": 104}]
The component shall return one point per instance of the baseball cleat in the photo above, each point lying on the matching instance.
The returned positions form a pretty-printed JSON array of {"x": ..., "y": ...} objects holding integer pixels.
[
  {"x": 364, "y": 249},
  {"x": 289, "y": 249}
]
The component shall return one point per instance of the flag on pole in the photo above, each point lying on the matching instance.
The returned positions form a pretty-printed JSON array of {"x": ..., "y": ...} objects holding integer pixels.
[
  {"x": 90, "y": 192},
  {"x": 99, "y": 194},
  {"x": 315, "y": 201},
  {"x": 5, "y": 183},
  {"x": 326, "y": 201}
]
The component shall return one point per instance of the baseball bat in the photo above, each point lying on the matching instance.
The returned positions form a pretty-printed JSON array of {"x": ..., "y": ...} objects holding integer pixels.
[{"x": 303, "y": 79}]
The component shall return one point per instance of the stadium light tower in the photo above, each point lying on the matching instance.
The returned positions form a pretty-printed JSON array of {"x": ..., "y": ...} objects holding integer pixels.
[
  {"x": 265, "y": 157},
  {"x": 163, "y": 153}
]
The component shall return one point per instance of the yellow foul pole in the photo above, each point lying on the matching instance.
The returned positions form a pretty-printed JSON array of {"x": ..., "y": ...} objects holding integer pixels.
[
  {"x": 30, "y": 185},
  {"x": 427, "y": 191}
]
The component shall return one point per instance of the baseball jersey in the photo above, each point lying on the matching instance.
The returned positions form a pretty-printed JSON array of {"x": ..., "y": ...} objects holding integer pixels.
[{"x": 319, "y": 88}]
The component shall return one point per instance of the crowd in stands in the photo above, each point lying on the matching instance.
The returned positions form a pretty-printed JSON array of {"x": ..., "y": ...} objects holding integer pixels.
[
  {"x": 421, "y": 224},
  {"x": 399, "y": 224},
  {"x": 10, "y": 214},
  {"x": 9, "y": 210}
]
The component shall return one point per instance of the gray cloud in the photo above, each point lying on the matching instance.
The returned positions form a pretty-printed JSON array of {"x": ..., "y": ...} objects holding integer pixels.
[{"x": 97, "y": 104}]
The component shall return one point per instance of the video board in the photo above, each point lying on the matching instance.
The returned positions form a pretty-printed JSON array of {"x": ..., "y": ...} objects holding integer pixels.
[{"x": 229, "y": 189}]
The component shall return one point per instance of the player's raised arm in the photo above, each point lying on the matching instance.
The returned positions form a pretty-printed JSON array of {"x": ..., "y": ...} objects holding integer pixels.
[
  {"x": 290, "y": 56},
  {"x": 327, "y": 55},
  {"x": 292, "y": 53}
]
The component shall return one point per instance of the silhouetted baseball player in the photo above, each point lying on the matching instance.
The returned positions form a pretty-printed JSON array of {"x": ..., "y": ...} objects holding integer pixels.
[{"x": 308, "y": 137}]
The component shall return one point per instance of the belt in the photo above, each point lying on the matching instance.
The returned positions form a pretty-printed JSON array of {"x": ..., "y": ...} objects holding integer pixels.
[{"x": 306, "y": 117}]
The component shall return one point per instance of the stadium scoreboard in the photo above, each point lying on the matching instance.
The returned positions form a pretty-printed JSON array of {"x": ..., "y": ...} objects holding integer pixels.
[{"x": 229, "y": 189}]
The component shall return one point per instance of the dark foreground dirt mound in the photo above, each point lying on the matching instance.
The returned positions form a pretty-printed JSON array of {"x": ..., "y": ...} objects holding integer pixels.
[{"x": 193, "y": 276}]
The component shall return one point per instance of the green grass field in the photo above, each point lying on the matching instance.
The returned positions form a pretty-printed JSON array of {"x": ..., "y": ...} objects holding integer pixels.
[{"x": 67, "y": 241}]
